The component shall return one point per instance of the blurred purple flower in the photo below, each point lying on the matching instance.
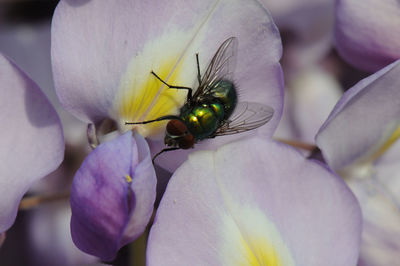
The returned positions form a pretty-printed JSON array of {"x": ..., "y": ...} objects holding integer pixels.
[
  {"x": 359, "y": 141},
  {"x": 31, "y": 142},
  {"x": 306, "y": 27},
  {"x": 28, "y": 44},
  {"x": 309, "y": 98},
  {"x": 49, "y": 240},
  {"x": 255, "y": 202},
  {"x": 367, "y": 32}
]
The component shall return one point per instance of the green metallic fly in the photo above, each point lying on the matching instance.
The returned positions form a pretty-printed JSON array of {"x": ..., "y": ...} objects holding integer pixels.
[{"x": 213, "y": 110}]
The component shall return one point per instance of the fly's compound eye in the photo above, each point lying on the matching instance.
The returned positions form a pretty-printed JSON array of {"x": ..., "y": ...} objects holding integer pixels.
[
  {"x": 186, "y": 141},
  {"x": 176, "y": 127}
]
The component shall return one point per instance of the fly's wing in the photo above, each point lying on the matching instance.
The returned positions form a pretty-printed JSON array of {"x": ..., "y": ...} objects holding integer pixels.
[
  {"x": 220, "y": 67},
  {"x": 247, "y": 116}
]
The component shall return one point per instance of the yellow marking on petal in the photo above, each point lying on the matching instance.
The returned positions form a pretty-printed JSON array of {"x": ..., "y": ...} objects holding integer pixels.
[
  {"x": 363, "y": 167},
  {"x": 250, "y": 238},
  {"x": 139, "y": 104},
  {"x": 386, "y": 145},
  {"x": 260, "y": 252},
  {"x": 141, "y": 96},
  {"x": 128, "y": 178}
]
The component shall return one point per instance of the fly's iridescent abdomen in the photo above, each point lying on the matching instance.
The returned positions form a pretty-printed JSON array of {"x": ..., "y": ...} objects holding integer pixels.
[
  {"x": 203, "y": 120},
  {"x": 224, "y": 92}
]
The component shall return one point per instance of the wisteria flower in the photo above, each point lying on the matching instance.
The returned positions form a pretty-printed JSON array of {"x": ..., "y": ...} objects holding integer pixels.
[
  {"x": 31, "y": 142},
  {"x": 367, "y": 32},
  {"x": 103, "y": 53},
  {"x": 112, "y": 200},
  {"x": 359, "y": 141},
  {"x": 269, "y": 207}
]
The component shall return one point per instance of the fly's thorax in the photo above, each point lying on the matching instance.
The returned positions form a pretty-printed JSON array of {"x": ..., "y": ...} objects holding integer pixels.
[
  {"x": 224, "y": 92},
  {"x": 202, "y": 120}
]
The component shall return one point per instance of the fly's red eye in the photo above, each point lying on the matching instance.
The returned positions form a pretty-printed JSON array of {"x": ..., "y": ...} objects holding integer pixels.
[
  {"x": 176, "y": 127},
  {"x": 186, "y": 141}
]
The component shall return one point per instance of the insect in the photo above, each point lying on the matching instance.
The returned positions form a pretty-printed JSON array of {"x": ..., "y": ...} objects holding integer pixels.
[{"x": 213, "y": 109}]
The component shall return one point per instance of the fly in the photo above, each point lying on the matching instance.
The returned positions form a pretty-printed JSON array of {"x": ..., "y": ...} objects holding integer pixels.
[{"x": 213, "y": 109}]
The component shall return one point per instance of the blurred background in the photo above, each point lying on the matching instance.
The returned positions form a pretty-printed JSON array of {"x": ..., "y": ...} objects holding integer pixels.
[{"x": 315, "y": 78}]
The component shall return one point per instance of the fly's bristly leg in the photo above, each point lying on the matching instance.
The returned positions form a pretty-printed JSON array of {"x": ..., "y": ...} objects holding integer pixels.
[
  {"x": 198, "y": 69},
  {"x": 161, "y": 118},
  {"x": 189, "y": 95},
  {"x": 162, "y": 151}
]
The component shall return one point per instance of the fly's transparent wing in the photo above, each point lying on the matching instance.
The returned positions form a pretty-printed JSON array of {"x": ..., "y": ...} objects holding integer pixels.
[
  {"x": 220, "y": 67},
  {"x": 247, "y": 116}
]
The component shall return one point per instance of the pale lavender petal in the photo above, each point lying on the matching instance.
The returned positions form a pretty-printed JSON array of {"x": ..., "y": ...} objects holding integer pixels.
[
  {"x": 308, "y": 26},
  {"x": 281, "y": 8},
  {"x": 362, "y": 118},
  {"x": 31, "y": 139},
  {"x": 312, "y": 210},
  {"x": 29, "y": 47},
  {"x": 112, "y": 196},
  {"x": 50, "y": 242},
  {"x": 310, "y": 97},
  {"x": 367, "y": 32},
  {"x": 381, "y": 217},
  {"x": 93, "y": 42},
  {"x": 379, "y": 197}
]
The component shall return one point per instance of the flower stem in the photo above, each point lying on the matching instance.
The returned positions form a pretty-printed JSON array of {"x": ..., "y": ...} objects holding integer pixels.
[
  {"x": 34, "y": 201},
  {"x": 298, "y": 144}
]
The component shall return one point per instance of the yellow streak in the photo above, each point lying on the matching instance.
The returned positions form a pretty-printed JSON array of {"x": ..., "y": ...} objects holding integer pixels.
[
  {"x": 184, "y": 52},
  {"x": 260, "y": 253},
  {"x": 385, "y": 146},
  {"x": 138, "y": 101},
  {"x": 363, "y": 167},
  {"x": 258, "y": 239}
]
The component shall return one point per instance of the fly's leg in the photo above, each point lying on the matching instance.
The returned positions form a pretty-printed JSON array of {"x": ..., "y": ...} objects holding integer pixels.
[
  {"x": 189, "y": 95},
  {"x": 164, "y": 150},
  {"x": 161, "y": 118},
  {"x": 198, "y": 69}
]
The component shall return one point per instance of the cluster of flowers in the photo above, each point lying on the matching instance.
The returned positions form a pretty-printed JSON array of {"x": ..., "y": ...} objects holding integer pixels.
[{"x": 243, "y": 199}]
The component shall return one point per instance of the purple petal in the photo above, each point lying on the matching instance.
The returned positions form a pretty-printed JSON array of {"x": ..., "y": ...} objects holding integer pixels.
[
  {"x": 296, "y": 202},
  {"x": 93, "y": 43},
  {"x": 361, "y": 118},
  {"x": 112, "y": 196},
  {"x": 367, "y": 32},
  {"x": 31, "y": 140}
]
